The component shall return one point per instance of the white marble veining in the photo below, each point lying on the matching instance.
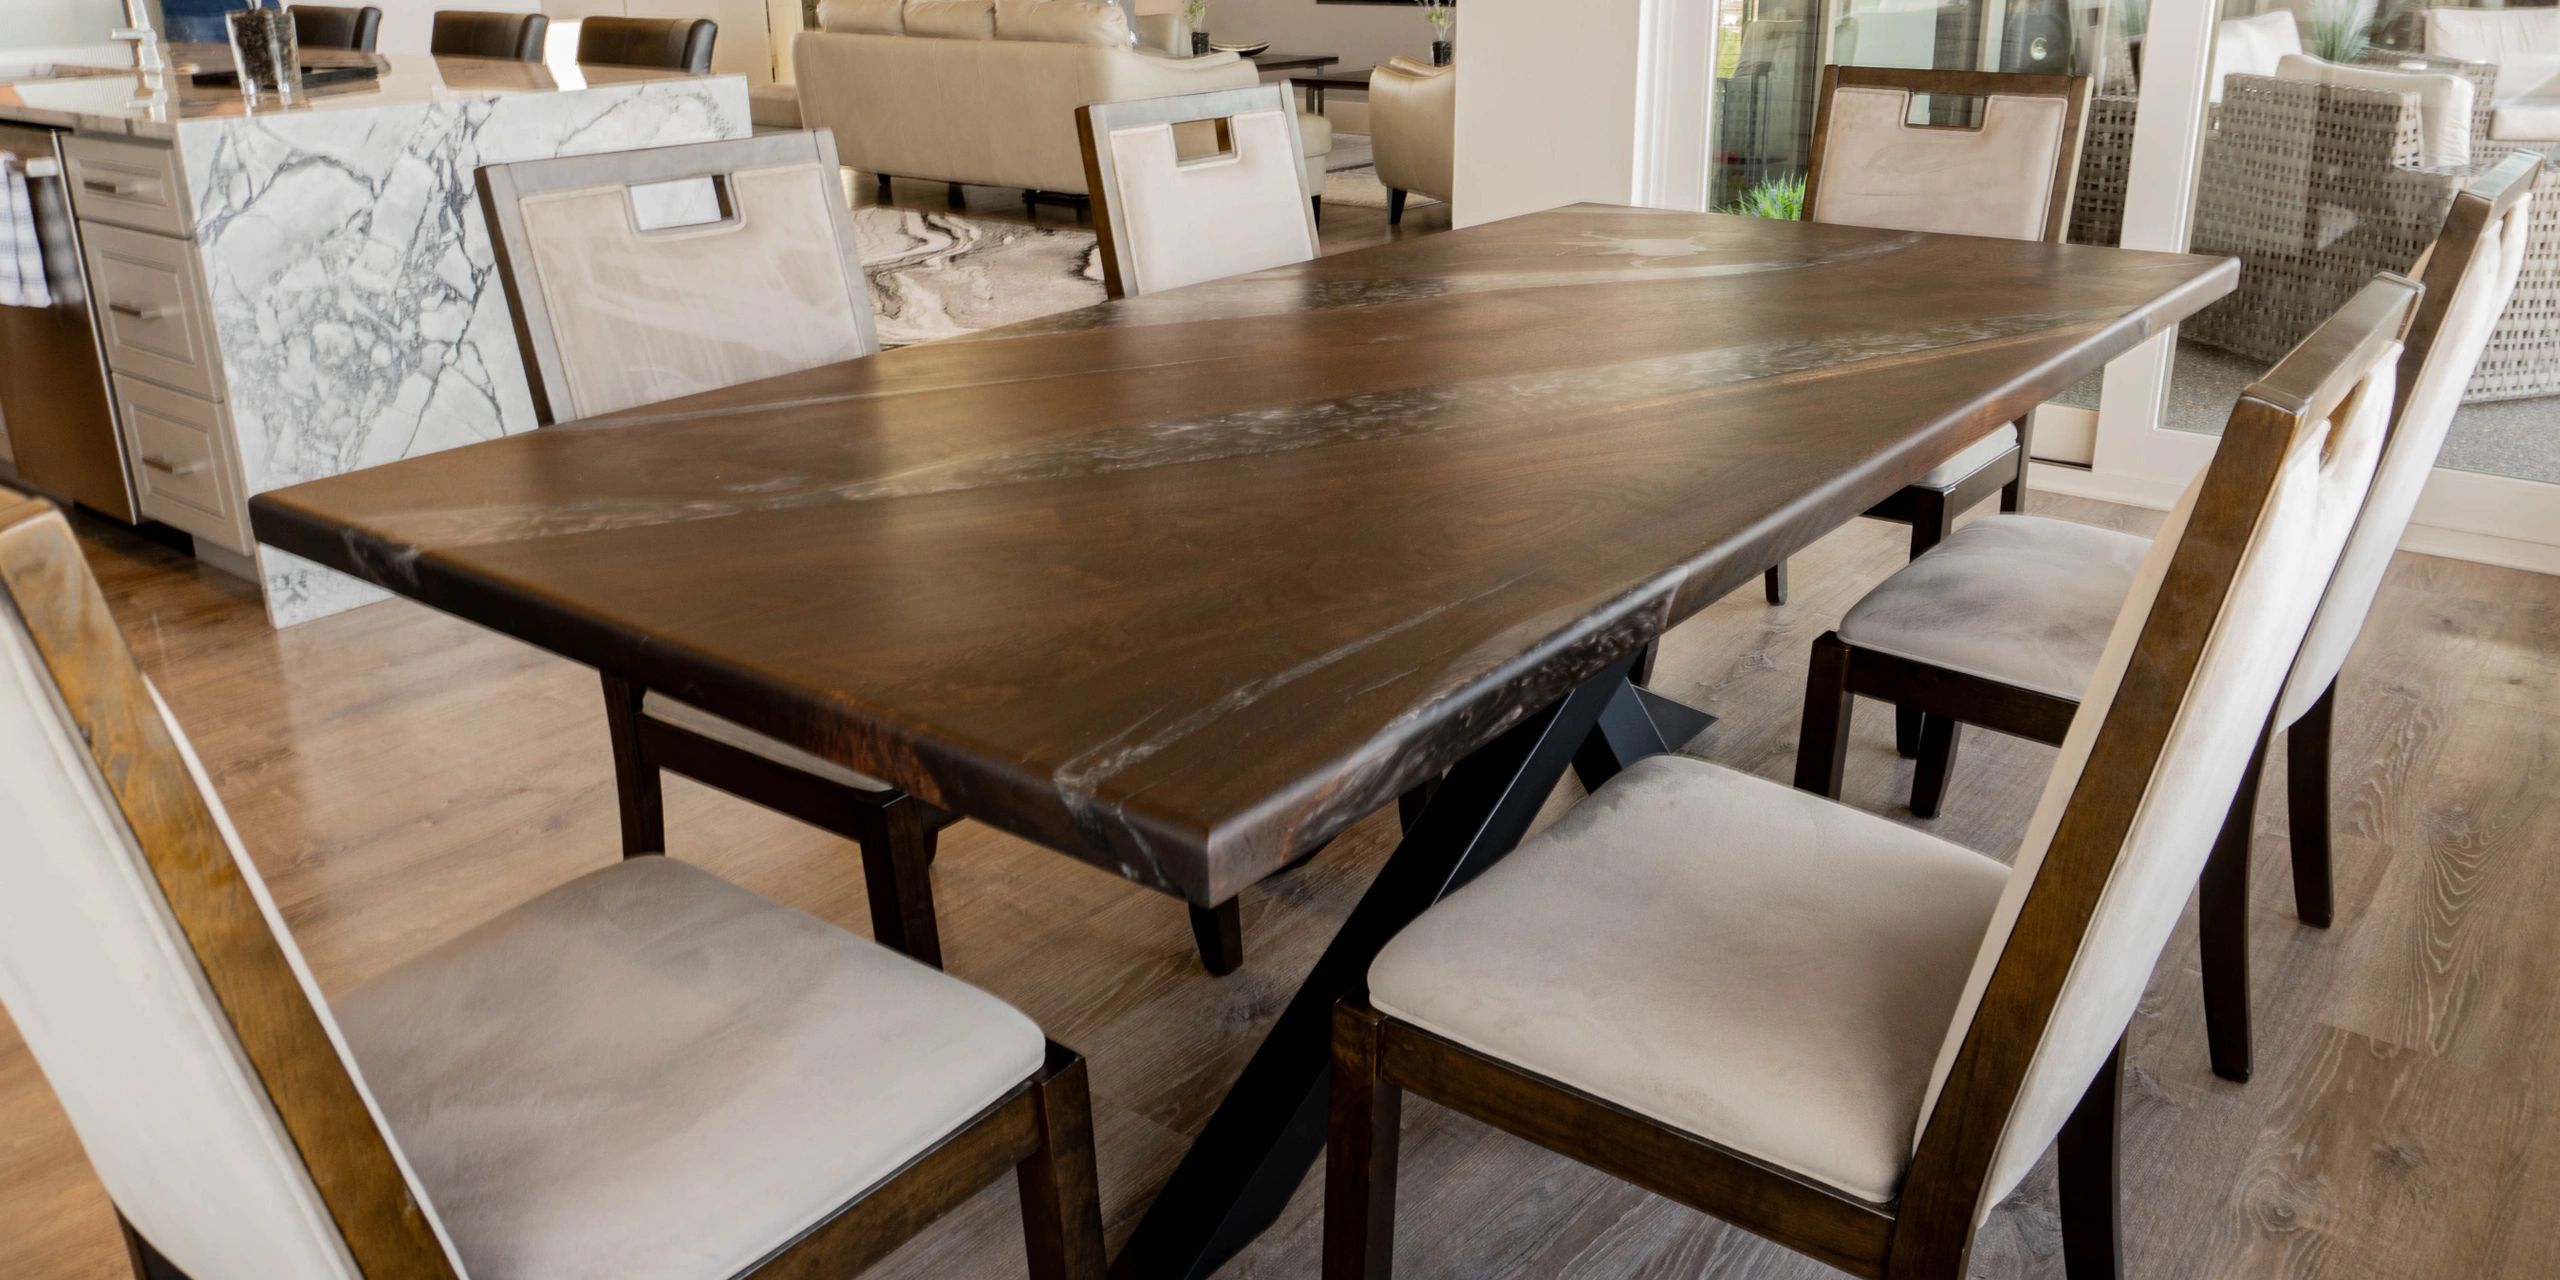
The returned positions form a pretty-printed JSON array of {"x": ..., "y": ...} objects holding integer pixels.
[{"x": 355, "y": 299}]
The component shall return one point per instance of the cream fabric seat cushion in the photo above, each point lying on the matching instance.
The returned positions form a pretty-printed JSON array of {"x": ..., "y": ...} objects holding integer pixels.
[
  {"x": 689, "y": 717},
  {"x": 1069, "y": 21},
  {"x": 649, "y": 1071},
  {"x": 2535, "y": 119},
  {"x": 952, "y": 19},
  {"x": 2252, "y": 47},
  {"x": 869, "y": 17},
  {"x": 2490, "y": 35},
  {"x": 1752, "y": 964},
  {"x": 2024, "y": 600},
  {"x": 1974, "y": 458},
  {"x": 2444, "y": 100}
]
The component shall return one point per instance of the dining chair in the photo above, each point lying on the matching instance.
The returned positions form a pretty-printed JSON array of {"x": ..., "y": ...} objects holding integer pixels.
[
  {"x": 641, "y": 276},
  {"x": 671, "y": 44},
  {"x": 2001, "y": 624},
  {"x": 637, "y": 277},
  {"x": 1845, "y": 1035},
  {"x": 478, "y": 33},
  {"x": 325, "y": 26},
  {"x": 1166, "y": 218},
  {"x": 646, "y": 1071},
  {"x": 2005, "y": 169}
]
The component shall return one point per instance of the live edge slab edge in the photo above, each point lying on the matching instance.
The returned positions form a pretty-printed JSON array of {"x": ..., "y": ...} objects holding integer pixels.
[{"x": 1183, "y": 584}]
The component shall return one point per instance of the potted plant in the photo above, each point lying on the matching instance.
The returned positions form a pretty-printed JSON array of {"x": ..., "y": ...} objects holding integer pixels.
[
  {"x": 1194, "y": 14},
  {"x": 1436, "y": 12}
]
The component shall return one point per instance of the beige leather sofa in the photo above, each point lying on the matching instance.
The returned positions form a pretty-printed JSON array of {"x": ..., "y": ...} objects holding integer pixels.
[
  {"x": 985, "y": 92},
  {"x": 1413, "y": 124}
]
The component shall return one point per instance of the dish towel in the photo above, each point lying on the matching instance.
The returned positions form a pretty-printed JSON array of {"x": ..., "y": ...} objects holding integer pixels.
[{"x": 22, "y": 282}]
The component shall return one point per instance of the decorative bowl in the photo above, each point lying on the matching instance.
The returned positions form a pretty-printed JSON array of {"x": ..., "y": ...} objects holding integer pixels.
[{"x": 1241, "y": 48}]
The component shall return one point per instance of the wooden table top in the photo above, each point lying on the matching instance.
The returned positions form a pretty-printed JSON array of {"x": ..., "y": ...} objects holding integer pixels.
[{"x": 1183, "y": 584}]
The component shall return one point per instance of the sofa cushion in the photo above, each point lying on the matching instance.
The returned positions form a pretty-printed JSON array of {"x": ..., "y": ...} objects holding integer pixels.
[
  {"x": 864, "y": 17},
  {"x": 2491, "y": 35},
  {"x": 1069, "y": 21},
  {"x": 2444, "y": 100},
  {"x": 2252, "y": 47},
  {"x": 2527, "y": 120},
  {"x": 952, "y": 19}
]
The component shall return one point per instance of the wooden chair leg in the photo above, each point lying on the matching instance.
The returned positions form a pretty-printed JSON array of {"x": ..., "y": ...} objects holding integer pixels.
[
  {"x": 1061, "y": 1193},
  {"x": 1219, "y": 933},
  {"x": 147, "y": 1262},
  {"x": 2222, "y": 921},
  {"x": 1395, "y": 207},
  {"x": 954, "y": 196},
  {"x": 2307, "y": 755},
  {"x": 1773, "y": 584},
  {"x": 1907, "y": 724},
  {"x": 897, "y": 876},
  {"x": 2092, "y": 1238},
  {"x": 635, "y": 781},
  {"x": 2013, "y": 495},
  {"x": 883, "y": 180},
  {"x": 1934, "y": 522},
  {"x": 1822, "y": 741},
  {"x": 1315, "y": 205},
  {"x": 1361, "y": 1141},
  {"x": 1938, "y": 738}
]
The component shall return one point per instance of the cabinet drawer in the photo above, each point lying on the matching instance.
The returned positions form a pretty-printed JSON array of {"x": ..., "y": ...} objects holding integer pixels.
[
  {"x": 149, "y": 295},
  {"x": 182, "y": 462},
  {"x": 130, "y": 184}
]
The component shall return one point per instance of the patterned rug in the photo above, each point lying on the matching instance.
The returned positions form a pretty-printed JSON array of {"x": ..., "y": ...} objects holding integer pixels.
[
  {"x": 939, "y": 275},
  {"x": 1360, "y": 189}
]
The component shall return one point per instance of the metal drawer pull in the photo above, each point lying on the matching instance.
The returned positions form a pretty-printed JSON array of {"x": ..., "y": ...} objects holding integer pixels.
[
  {"x": 163, "y": 462},
  {"x": 108, "y": 188},
  {"x": 138, "y": 313}
]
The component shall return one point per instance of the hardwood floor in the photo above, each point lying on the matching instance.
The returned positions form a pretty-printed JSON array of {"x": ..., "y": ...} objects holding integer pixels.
[{"x": 399, "y": 775}]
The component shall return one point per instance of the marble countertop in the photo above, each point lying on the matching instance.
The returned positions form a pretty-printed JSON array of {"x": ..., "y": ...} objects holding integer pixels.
[{"x": 155, "y": 106}]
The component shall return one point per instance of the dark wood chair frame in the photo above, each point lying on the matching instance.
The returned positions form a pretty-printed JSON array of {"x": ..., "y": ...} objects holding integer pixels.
[
  {"x": 897, "y": 833},
  {"x": 1042, "y": 1130},
  {"x": 1932, "y": 513},
  {"x": 1942, "y": 701},
  {"x": 1928, "y": 1230}
]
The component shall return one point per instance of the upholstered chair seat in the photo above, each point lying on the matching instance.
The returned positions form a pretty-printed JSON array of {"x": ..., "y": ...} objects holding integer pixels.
[
  {"x": 2007, "y": 174},
  {"x": 698, "y": 1073},
  {"x": 1981, "y": 453},
  {"x": 692, "y": 719},
  {"x": 1759, "y": 967},
  {"x": 2024, "y": 600}
]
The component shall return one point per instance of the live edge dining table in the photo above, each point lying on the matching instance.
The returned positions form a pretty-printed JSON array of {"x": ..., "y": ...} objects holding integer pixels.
[{"x": 1182, "y": 585}]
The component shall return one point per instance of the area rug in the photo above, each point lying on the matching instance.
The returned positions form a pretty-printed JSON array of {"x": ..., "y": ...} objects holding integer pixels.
[
  {"x": 940, "y": 275},
  {"x": 1360, "y": 189}
]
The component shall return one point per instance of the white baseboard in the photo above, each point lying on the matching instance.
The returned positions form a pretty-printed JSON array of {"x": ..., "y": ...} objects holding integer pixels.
[{"x": 2520, "y": 506}]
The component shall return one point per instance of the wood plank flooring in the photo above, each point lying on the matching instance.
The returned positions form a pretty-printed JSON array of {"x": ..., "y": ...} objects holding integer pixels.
[{"x": 400, "y": 775}]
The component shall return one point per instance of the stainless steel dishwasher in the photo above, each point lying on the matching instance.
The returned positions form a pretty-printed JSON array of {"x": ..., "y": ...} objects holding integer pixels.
[{"x": 55, "y": 404}]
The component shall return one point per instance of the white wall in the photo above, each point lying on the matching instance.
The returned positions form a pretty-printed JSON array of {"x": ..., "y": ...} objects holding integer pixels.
[
  {"x": 1546, "y": 105},
  {"x": 58, "y": 24},
  {"x": 1363, "y": 34}
]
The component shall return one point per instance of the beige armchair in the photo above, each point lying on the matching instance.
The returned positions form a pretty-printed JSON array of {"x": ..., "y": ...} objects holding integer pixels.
[{"x": 1413, "y": 113}]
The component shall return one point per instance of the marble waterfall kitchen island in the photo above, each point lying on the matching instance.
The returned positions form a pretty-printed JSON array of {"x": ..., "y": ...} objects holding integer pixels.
[{"x": 290, "y": 292}]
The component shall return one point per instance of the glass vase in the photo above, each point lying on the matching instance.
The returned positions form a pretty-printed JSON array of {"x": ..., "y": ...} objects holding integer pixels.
[{"x": 265, "y": 50}]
